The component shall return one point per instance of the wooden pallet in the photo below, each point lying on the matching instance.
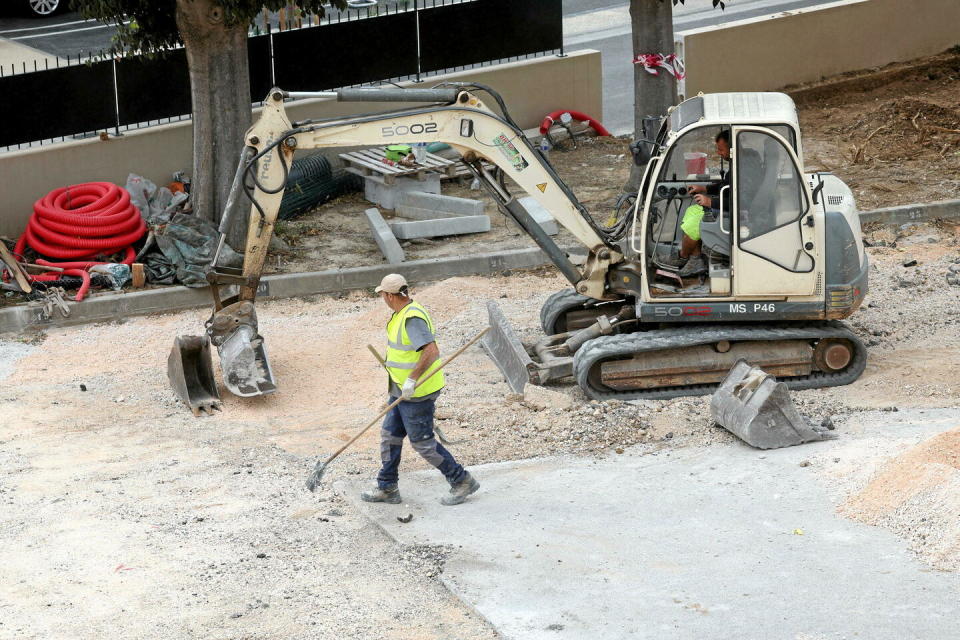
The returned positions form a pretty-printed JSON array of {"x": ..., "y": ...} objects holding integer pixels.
[{"x": 370, "y": 162}]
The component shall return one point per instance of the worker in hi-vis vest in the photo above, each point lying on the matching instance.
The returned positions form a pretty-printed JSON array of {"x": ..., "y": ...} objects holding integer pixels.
[{"x": 412, "y": 354}]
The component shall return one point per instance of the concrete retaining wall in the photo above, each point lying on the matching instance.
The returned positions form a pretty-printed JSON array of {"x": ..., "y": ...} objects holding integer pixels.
[
  {"x": 530, "y": 88},
  {"x": 805, "y": 45}
]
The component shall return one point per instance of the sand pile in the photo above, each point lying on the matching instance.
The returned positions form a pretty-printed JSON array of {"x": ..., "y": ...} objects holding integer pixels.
[{"x": 917, "y": 495}]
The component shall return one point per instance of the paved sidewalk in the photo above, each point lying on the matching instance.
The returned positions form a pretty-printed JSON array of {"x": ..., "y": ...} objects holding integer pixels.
[
  {"x": 689, "y": 543},
  {"x": 12, "y": 53}
]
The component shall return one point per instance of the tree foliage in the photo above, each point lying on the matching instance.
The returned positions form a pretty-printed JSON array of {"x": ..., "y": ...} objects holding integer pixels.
[{"x": 151, "y": 25}]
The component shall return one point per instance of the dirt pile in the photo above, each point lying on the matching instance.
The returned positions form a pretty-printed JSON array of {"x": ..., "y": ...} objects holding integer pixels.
[
  {"x": 904, "y": 127},
  {"x": 917, "y": 495},
  {"x": 892, "y": 134}
]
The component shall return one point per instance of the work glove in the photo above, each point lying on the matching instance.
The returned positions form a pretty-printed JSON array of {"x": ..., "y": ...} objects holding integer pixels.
[{"x": 406, "y": 391}]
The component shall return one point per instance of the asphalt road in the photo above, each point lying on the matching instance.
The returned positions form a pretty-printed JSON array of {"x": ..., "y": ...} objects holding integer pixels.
[{"x": 588, "y": 24}]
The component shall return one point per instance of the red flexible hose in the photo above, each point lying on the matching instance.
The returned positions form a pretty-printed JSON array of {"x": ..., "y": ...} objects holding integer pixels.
[
  {"x": 576, "y": 115},
  {"x": 79, "y": 223}
]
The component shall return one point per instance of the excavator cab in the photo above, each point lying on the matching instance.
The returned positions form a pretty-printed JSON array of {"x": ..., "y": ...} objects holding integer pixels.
[
  {"x": 761, "y": 199},
  {"x": 774, "y": 281}
]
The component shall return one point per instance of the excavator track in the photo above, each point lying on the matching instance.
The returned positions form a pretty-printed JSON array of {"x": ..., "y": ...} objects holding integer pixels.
[
  {"x": 592, "y": 354},
  {"x": 554, "y": 312},
  {"x": 557, "y": 305}
]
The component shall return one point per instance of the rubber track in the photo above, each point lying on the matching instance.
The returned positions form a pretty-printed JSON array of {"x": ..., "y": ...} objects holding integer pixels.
[
  {"x": 557, "y": 304},
  {"x": 605, "y": 347}
]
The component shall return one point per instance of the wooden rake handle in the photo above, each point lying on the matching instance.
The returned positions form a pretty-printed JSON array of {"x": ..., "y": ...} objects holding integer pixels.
[{"x": 390, "y": 406}]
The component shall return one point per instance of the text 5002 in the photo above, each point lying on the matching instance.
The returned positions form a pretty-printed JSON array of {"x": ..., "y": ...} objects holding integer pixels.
[{"x": 404, "y": 130}]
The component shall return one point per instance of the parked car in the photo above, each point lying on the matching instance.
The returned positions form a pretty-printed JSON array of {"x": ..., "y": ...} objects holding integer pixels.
[{"x": 43, "y": 8}]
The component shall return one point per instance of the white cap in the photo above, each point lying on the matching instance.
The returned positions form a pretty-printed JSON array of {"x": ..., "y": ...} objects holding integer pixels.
[{"x": 392, "y": 283}]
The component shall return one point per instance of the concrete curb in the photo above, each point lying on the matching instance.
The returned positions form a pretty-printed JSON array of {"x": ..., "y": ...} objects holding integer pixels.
[
  {"x": 903, "y": 214},
  {"x": 106, "y": 307},
  {"x": 384, "y": 236},
  {"x": 439, "y": 227}
]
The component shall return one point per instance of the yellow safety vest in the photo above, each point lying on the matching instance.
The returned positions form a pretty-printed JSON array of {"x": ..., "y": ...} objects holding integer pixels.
[{"x": 402, "y": 357}]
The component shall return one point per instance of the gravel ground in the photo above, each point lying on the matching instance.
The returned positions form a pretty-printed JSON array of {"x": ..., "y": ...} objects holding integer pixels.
[{"x": 125, "y": 516}]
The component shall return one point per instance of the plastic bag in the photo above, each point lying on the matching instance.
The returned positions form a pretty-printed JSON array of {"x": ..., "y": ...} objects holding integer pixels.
[
  {"x": 157, "y": 205},
  {"x": 188, "y": 244},
  {"x": 117, "y": 274}
]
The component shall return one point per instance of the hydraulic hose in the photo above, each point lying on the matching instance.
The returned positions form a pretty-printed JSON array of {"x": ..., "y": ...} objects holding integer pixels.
[{"x": 78, "y": 224}]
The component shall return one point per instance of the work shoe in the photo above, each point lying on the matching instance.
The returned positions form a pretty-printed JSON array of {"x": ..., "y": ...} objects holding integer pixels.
[
  {"x": 390, "y": 495},
  {"x": 674, "y": 260},
  {"x": 460, "y": 491},
  {"x": 695, "y": 266}
]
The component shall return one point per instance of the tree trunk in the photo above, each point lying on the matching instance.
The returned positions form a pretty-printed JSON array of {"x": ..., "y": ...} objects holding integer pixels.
[
  {"x": 220, "y": 89},
  {"x": 652, "y": 26}
]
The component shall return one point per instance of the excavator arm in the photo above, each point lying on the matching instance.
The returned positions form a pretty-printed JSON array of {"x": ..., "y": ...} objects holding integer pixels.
[
  {"x": 460, "y": 120},
  {"x": 456, "y": 117}
]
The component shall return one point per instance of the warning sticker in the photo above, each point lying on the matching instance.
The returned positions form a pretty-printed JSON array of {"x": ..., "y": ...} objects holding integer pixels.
[
  {"x": 510, "y": 152},
  {"x": 542, "y": 186}
]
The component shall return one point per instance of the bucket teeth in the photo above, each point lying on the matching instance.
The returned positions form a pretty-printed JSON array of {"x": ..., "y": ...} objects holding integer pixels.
[
  {"x": 190, "y": 370},
  {"x": 752, "y": 405}
]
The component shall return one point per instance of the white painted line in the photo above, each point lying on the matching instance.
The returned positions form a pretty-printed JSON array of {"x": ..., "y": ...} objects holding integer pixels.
[
  {"x": 46, "y": 26},
  {"x": 60, "y": 33}
]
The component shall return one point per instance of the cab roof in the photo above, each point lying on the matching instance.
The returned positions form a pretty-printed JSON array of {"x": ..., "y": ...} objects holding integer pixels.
[{"x": 735, "y": 108}]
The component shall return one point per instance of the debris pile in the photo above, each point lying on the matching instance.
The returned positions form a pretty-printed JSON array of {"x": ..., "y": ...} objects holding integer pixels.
[{"x": 917, "y": 495}]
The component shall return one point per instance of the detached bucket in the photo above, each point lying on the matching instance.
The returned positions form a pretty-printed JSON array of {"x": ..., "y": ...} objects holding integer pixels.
[
  {"x": 696, "y": 162},
  {"x": 752, "y": 405},
  {"x": 190, "y": 370}
]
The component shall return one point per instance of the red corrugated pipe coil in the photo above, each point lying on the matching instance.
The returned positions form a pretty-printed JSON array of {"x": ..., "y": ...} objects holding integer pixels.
[{"x": 80, "y": 223}]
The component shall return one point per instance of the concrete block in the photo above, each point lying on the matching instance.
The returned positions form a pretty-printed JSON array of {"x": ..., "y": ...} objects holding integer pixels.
[
  {"x": 440, "y": 227},
  {"x": 384, "y": 237},
  {"x": 413, "y": 213},
  {"x": 418, "y": 204},
  {"x": 542, "y": 217},
  {"x": 377, "y": 191}
]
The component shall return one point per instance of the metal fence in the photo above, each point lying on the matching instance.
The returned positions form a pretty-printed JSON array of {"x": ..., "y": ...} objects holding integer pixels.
[{"x": 408, "y": 41}]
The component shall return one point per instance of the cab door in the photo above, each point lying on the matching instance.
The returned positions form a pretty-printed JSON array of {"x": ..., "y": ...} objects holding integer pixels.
[{"x": 774, "y": 244}]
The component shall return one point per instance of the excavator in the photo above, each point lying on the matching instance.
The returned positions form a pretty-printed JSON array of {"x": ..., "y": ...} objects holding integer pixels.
[{"x": 784, "y": 264}]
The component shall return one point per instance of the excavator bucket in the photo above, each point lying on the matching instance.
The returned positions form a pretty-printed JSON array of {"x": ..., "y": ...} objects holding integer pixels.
[
  {"x": 190, "y": 370},
  {"x": 752, "y": 405},
  {"x": 243, "y": 360},
  {"x": 506, "y": 350}
]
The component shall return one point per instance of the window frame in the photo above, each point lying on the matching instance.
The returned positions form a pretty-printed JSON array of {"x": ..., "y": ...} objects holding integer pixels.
[{"x": 804, "y": 190}]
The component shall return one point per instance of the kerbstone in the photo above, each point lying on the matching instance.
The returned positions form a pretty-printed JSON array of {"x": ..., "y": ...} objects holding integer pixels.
[
  {"x": 377, "y": 191},
  {"x": 920, "y": 212},
  {"x": 384, "y": 237},
  {"x": 421, "y": 205},
  {"x": 540, "y": 215},
  {"x": 440, "y": 227}
]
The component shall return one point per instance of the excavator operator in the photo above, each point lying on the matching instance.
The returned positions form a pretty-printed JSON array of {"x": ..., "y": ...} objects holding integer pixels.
[{"x": 690, "y": 258}]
